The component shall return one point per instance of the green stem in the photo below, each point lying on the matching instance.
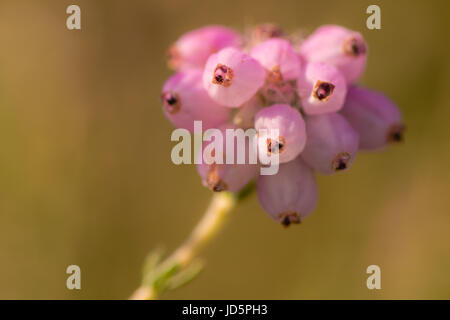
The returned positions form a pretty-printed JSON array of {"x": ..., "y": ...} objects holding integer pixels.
[{"x": 159, "y": 277}]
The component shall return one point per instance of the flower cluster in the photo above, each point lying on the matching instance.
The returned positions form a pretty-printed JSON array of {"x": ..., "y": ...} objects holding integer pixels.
[{"x": 265, "y": 80}]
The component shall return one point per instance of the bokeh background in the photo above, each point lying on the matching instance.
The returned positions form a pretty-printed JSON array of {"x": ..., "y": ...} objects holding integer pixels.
[{"x": 86, "y": 176}]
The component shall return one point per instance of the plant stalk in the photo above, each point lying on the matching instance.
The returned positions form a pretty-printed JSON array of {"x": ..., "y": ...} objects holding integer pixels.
[{"x": 212, "y": 221}]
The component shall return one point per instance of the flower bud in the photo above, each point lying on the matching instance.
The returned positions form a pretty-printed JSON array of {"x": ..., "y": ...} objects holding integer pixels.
[
  {"x": 343, "y": 48},
  {"x": 193, "y": 49},
  {"x": 220, "y": 176},
  {"x": 232, "y": 77},
  {"x": 289, "y": 123},
  {"x": 374, "y": 116},
  {"x": 184, "y": 100},
  {"x": 291, "y": 194},
  {"x": 332, "y": 143},
  {"x": 321, "y": 88},
  {"x": 227, "y": 177}
]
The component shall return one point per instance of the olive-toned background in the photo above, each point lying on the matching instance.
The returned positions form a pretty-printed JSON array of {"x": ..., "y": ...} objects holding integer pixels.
[{"x": 86, "y": 176}]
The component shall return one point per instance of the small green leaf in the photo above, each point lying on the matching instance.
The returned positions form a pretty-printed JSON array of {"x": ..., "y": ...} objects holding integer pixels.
[
  {"x": 185, "y": 276},
  {"x": 152, "y": 259}
]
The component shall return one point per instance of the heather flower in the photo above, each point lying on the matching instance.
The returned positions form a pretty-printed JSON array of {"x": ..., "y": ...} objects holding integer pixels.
[
  {"x": 374, "y": 116},
  {"x": 290, "y": 125},
  {"x": 232, "y": 77},
  {"x": 291, "y": 194},
  {"x": 321, "y": 88},
  {"x": 303, "y": 106},
  {"x": 335, "y": 45},
  {"x": 332, "y": 143},
  {"x": 193, "y": 49},
  {"x": 184, "y": 100},
  {"x": 220, "y": 176}
]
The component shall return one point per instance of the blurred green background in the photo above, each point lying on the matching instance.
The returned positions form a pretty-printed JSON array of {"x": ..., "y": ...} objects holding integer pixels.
[{"x": 86, "y": 176}]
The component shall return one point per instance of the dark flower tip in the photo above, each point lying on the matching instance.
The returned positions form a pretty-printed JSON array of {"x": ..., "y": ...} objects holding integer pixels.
[
  {"x": 276, "y": 146},
  {"x": 354, "y": 47},
  {"x": 323, "y": 90},
  {"x": 340, "y": 162},
  {"x": 396, "y": 133},
  {"x": 223, "y": 75},
  {"x": 219, "y": 186},
  {"x": 214, "y": 182},
  {"x": 171, "y": 101},
  {"x": 288, "y": 218}
]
